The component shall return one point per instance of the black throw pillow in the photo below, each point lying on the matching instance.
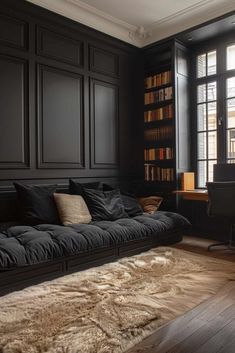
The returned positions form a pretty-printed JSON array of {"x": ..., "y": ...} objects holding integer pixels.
[
  {"x": 76, "y": 188},
  {"x": 37, "y": 204},
  {"x": 104, "y": 205},
  {"x": 132, "y": 207}
]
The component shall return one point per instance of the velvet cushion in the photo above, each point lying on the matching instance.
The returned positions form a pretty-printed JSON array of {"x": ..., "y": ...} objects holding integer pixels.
[
  {"x": 132, "y": 207},
  {"x": 105, "y": 205},
  {"x": 76, "y": 188},
  {"x": 72, "y": 209},
  {"x": 37, "y": 204}
]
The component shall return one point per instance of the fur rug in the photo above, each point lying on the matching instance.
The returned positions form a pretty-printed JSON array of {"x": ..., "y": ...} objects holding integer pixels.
[{"x": 109, "y": 309}]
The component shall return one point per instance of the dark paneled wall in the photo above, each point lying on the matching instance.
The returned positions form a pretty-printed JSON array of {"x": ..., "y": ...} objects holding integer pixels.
[{"x": 67, "y": 99}]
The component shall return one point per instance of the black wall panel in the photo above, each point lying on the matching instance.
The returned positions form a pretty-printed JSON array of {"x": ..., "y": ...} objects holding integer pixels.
[
  {"x": 60, "y": 119},
  {"x": 13, "y": 113},
  {"x": 103, "y": 61},
  {"x": 13, "y": 32},
  {"x": 104, "y": 124},
  {"x": 62, "y": 87},
  {"x": 59, "y": 47}
]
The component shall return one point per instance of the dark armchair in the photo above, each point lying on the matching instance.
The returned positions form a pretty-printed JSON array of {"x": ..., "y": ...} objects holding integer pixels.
[{"x": 221, "y": 197}]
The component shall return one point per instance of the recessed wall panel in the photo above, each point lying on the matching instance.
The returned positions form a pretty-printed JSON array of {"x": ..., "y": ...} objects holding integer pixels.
[
  {"x": 104, "y": 62},
  {"x": 60, "y": 119},
  {"x": 13, "y": 32},
  {"x": 13, "y": 113},
  {"x": 104, "y": 125},
  {"x": 60, "y": 48}
]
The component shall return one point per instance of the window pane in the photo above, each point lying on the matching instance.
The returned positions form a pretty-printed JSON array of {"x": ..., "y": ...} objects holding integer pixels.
[
  {"x": 211, "y": 170},
  {"x": 201, "y": 145},
  {"x": 231, "y": 87},
  {"x": 230, "y": 143},
  {"x": 201, "y": 65},
  {"x": 231, "y": 57},
  {"x": 212, "y": 144},
  {"x": 212, "y": 115},
  {"x": 201, "y": 117},
  {"x": 211, "y": 63},
  {"x": 201, "y": 93},
  {"x": 211, "y": 91},
  {"x": 202, "y": 174},
  {"x": 231, "y": 113},
  {"x": 230, "y": 161}
]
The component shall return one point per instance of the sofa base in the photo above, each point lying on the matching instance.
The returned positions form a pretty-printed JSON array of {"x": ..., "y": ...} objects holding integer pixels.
[{"x": 19, "y": 278}]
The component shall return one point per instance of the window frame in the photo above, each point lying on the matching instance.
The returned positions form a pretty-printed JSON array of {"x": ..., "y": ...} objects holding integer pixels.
[{"x": 219, "y": 44}]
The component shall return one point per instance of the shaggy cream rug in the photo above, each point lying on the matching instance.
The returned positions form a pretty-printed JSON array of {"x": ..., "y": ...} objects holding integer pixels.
[{"x": 110, "y": 308}]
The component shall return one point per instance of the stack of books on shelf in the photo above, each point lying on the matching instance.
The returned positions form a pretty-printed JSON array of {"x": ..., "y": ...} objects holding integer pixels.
[
  {"x": 159, "y": 114},
  {"x": 160, "y": 95},
  {"x": 152, "y": 154},
  {"x": 160, "y": 79},
  {"x": 154, "y": 173},
  {"x": 162, "y": 133}
]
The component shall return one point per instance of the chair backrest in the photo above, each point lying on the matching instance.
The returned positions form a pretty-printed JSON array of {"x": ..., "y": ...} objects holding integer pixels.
[{"x": 221, "y": 196}]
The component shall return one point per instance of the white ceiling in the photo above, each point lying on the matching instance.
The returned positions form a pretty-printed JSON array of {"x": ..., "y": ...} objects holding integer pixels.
[{"x": 139, "y": 22}]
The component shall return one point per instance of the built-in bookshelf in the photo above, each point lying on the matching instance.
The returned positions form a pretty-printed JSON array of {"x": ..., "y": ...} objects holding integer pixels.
[
  {"x": 165, "y": 120},
  {"x": 158, "y": 109}
]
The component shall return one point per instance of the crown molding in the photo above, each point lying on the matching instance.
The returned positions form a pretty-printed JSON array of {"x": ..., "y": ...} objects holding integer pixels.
[
  {"x": 91, "y": 17},
  {"x": 139, "y": 36},
  {"x": 191, "y": 16}
]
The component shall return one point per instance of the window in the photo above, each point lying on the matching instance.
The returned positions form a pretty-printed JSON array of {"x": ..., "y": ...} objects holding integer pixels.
[
  {"x": 215, "y": 110},
  {"x": 230, "y": 114},
  {"x": 206, "y": 117}
]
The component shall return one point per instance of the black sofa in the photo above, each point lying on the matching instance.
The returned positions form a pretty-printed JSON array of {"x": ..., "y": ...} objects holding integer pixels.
[{"x": 30, "y": 254}]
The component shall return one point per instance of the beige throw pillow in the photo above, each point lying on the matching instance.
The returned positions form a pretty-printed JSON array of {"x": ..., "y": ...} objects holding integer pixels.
[
  {"x": 150, "y": 204},
  {"x": 72, "y": 209}
]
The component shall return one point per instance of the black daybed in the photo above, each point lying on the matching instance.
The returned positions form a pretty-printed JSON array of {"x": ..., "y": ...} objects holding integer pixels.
[{"x": 29, "y": 254}]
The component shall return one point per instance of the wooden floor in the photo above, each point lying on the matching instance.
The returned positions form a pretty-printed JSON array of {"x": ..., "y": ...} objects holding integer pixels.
[
  {"x": 199, "y": 246},
  {"x": 209, "y": 327}
]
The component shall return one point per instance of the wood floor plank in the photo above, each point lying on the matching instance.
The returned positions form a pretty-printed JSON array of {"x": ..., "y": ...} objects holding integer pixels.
[
  {"x": 207, "y": 328},
  {"x": 198, "y": 338},
  {"x": 219, "y": 341},
  {"x": 229, "y": 347}
]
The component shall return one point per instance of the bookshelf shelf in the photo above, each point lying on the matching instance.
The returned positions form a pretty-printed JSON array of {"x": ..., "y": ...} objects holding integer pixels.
[
  {"x": 156, "y": 123},
  {"x": 158, "y": 87},
  {"x": 158, "y": 104},
  {"x": 158, "y": 161},
  {"x": 158, "y": 144}
]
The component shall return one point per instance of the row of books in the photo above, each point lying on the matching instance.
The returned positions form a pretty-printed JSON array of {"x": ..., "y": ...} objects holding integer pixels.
[
  {"x": 158, "y": 96},
  {"x": 159, "y": 114},
  {"x": 153, "y": 154},
  {"x": 160, "y": 79},
  {"x": 154, "y": 173},
  {"x": 162, "y": 133}
]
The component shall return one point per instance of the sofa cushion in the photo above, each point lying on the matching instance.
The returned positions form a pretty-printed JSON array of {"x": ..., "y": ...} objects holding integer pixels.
[
  {"x": 150, "y": 204},
  {"x": 72, "y": 209},
  {"x": 76, "y": 188},
  {"x": 132, "y": 207},
  {"x": 104, "y": 205},
  {"x": 37, "y": 203},
  {"x": 26, "y": 245}
]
